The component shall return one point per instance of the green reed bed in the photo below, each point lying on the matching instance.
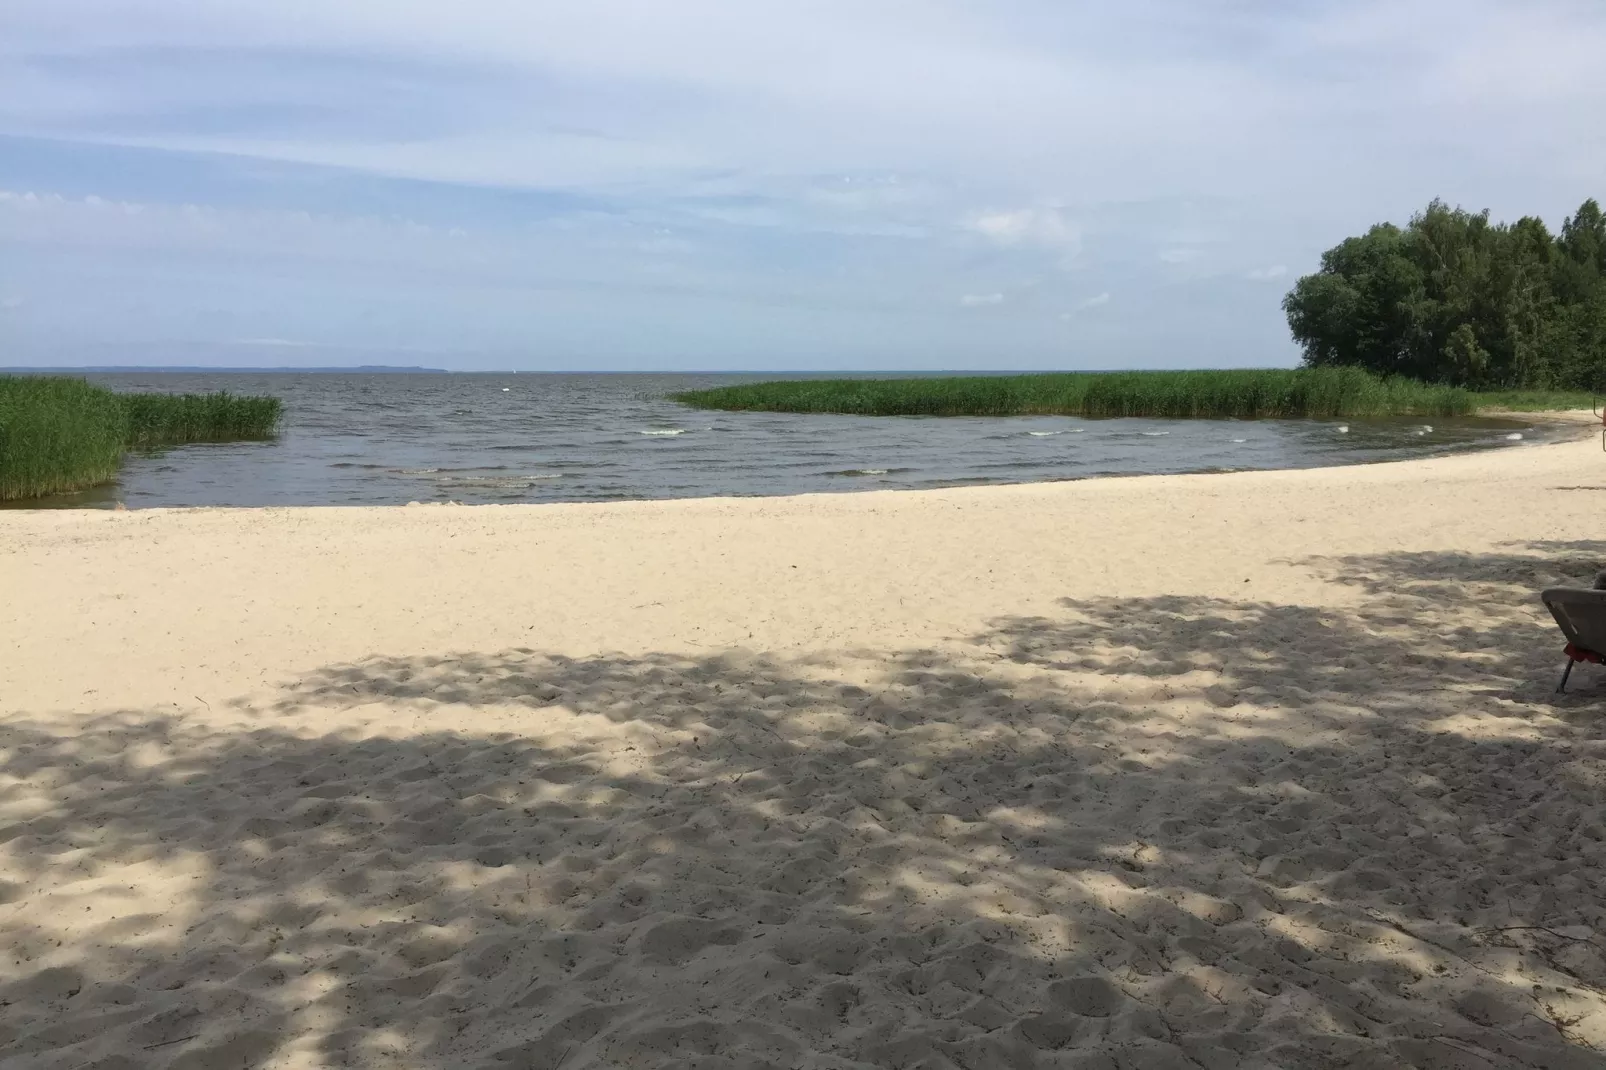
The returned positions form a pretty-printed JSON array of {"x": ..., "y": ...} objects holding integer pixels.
[
  {"x": 159, "y": 420},
  {"x": 60, "y": 434},
  {"x": 1249, "y": 394},
  {"x": 57, "y": 435}
]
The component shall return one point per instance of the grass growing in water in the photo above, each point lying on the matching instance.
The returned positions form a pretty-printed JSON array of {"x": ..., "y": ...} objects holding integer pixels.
[
  {"x": 159, "y": 420},
  {"x": 57, "y": 435},
  {"x": 1248, "y": 394},
  {"x": 60, "y": 434}
]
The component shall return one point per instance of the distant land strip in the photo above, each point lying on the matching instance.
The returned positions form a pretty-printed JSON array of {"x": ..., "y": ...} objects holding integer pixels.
[{"x": 79, "y": 369}]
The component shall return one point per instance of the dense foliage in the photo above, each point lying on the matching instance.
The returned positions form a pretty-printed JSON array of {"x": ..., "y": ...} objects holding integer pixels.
[
  {"x": 61, "y": 434},
  {"x": 1453, "y": 298},
  {"x": 1305, "y": 392}
]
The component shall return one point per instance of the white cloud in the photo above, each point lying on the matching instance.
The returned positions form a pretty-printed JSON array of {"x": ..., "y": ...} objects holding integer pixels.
[
  {"x": 1267, "y": 274},
  {"x": 981, "y": 300},
  {"x": 804, "y": 152},
  {"x": 1046, "y": 227},
  {"x": 1096, "y": 301},
  {"x": 1035, "y": 100},
  {"x": 248, "y": 277}
]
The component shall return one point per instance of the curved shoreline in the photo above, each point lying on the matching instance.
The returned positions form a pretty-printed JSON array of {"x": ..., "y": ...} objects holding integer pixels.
[
  {"x": 207, "y": 558},
  {"x": 1554, "y": 425}
]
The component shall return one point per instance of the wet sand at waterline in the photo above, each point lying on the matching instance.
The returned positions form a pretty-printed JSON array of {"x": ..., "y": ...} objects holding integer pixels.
[{"x": 1250, "y": 770}]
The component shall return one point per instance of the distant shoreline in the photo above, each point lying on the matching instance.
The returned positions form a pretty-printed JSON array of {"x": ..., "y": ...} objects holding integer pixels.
[{"x": 197, "y": 368}]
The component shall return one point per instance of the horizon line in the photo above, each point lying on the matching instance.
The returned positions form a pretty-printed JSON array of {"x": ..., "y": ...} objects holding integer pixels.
[{"x": 411, "y": 369}]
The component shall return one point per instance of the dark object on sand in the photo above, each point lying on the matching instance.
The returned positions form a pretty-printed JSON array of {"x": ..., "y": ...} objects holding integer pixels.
[{"x": 1581, "y": 614}]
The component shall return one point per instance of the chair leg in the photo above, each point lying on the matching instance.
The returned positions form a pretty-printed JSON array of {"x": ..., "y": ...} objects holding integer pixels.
[{"x": 1561, "y": 688}]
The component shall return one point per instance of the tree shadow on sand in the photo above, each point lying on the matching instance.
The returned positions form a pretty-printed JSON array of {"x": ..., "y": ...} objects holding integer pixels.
[{"x": 1141, "y": 833}]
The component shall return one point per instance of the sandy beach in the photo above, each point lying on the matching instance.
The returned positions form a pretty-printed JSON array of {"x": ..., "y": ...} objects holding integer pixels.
[{"x": 1250, "y": 770}]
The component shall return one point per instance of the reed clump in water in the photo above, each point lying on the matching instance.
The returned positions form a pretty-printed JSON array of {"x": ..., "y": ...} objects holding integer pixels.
[
  {"x": 60, "y": 434},
  {"x": 57, "y": 435},
  {"x": 1246, "y": 394},
  {"x": 156, "y": 421}
]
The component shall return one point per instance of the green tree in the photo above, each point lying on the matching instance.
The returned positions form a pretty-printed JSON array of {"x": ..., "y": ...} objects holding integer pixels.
[
  {"x": 1358, "y": 308},
  {"x": 1454, "y": 298}
]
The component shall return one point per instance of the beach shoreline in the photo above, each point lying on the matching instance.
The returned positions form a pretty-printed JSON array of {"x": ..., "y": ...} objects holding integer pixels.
[
  {"x": 1251, "y": 769},
  {"x": 1554, "y": 426},
  {"x": 594, "y": 439}
]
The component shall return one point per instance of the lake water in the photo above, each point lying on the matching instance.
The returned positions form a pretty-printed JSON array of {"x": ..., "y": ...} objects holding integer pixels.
[{"x": 389, "y": 439}]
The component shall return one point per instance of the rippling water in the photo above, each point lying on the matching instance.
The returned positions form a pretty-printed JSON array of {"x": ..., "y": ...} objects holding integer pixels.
[{"x": 384, "y": 439}]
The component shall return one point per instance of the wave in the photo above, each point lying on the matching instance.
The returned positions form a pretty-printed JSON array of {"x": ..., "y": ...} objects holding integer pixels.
[
  {"x": 1044, "y": 434},
  {"x": 664, "y": 431},
  {"x": 433, "y": 471},
  {"x": 866, "y": 471},
  {"x": 1153, "y": 434},
  {"x": 1022, "y": 465},
  {"x": 498, "y": 482}
]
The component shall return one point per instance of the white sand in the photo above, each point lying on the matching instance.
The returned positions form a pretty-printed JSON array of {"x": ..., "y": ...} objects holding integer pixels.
[{"x": 1260, "y": 770}]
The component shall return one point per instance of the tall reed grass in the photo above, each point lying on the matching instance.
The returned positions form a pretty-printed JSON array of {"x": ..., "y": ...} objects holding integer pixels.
[
  {"x": 60, "y": 434},
  {"x": 57, "y": 435},
  {"x": 156, "y": 421},
  {"x": 1248, "y": 394}
]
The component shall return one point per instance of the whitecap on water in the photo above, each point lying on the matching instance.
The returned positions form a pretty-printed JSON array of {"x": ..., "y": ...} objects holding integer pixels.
[
  {"x": 1153, "y": 434},
  {"x": 1044, "y": 434},
  {"x": 497, "y": 482},
  {"x": 664, "y": 431},
  {"x": 859, "y": 472},
  {"x": 1342, "y": 429},
  {"x": 506, "y": 389},
  {"x": 1240, "y": 440},
  {"x": 1515, "y": 436}
]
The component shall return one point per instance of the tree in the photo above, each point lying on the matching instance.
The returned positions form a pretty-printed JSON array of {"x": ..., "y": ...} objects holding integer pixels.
[
  {"x": 1454, "y": 298},
  {"x": 1357, "y": 309}
]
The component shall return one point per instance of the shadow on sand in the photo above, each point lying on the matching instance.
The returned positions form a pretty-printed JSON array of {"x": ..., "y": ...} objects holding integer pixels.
[{"x": 1168, "y": 832}]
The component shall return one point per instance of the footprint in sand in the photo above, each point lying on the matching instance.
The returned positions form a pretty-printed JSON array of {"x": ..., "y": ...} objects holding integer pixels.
[{"x": 673, "y": 942}]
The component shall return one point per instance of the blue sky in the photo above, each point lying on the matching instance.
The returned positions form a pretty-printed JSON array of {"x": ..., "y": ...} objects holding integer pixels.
[{"x": 633, "y": 184}]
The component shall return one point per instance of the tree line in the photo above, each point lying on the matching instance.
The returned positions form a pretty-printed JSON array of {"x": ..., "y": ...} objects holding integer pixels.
[{"x": 1453, "y": 298}]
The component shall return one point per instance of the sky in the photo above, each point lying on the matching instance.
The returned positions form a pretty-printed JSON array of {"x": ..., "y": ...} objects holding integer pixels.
[{"x": 748, "y": 184}]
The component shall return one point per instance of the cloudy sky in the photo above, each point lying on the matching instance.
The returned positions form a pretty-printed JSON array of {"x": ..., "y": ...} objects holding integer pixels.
[{"x": 750, "y": 184}]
